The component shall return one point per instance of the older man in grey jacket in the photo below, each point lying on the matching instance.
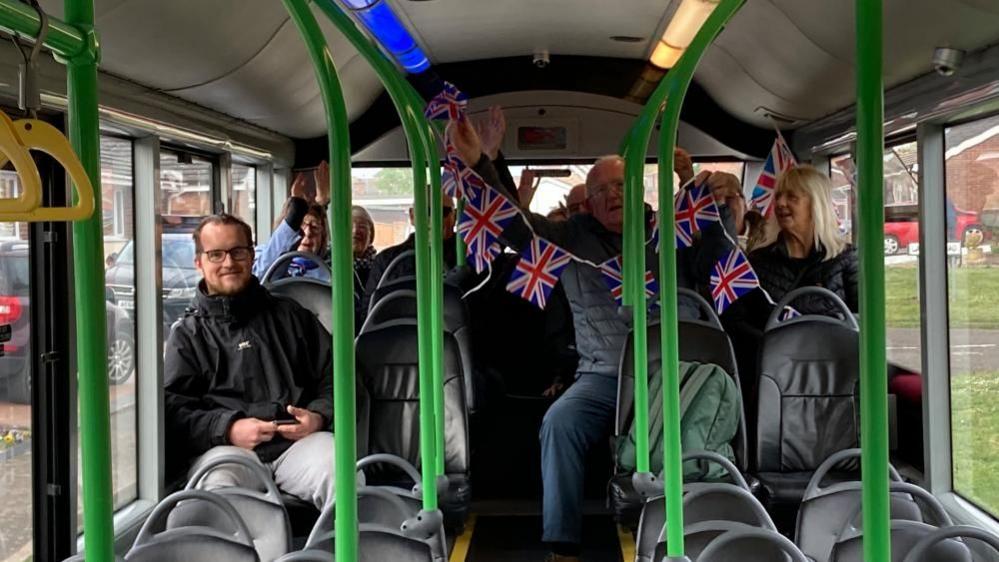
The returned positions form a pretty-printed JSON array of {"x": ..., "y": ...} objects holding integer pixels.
[{"x": 583, "y": 416}]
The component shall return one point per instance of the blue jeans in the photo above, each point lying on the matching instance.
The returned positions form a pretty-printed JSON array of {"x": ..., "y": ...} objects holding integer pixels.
[{"x": 581, "y": 418}]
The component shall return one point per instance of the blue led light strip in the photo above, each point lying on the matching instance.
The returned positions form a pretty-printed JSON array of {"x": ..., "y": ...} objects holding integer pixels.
[{"x": 378, "y": 17}]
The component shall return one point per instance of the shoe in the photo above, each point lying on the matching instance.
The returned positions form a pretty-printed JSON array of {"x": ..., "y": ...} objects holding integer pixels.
[{"x": 552, "y": 557}]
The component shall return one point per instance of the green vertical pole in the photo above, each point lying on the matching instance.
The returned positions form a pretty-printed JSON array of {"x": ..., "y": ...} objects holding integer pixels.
[
  {"x": 679, "y": 81},
  {"x": 437, "y": 307},
  {"x": 88, "y": 257},
  {"x": 459, "y": 242},
  {"x": 344, "y": 422},
  {"x": 673, "y": 88},
  {"x": 873, "y": 373},
  {"x": 417, "y": 135}
]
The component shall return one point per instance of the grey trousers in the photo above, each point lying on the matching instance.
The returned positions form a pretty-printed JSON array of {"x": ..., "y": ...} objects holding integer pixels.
[{"x": 304, "y": 470}]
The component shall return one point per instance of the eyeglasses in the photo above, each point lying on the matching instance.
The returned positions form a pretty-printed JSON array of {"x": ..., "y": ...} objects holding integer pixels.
[
  {"x": 239, "y": 253},
  {"x": 604, "y": 189}
]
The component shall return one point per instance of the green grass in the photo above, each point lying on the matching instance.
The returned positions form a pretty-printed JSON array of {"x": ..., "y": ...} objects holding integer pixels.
[
  {"x": 975, "y": 431},
  {"x": 974, "y": 297}
]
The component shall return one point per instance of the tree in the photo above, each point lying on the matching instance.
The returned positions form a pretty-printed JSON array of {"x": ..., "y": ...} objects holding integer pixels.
[{"x": 394, "y": 181}]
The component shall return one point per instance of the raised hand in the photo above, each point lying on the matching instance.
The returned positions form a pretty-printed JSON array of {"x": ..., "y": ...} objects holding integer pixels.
[
  {"x": 298, "y": 187},
  {"x": 309, "y": 422},
  {"x": 491, "y": 131},
  {"x": 322, "y": 175},
  {"x": 527, "y": 187},
  {"x": 250, "y": 432},
  {"x": 683, "y": 165},
  {"x": 466, "y": 141}
]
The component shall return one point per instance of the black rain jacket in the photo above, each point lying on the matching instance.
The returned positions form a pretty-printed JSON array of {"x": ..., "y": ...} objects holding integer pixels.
[{"x": 244, "y": 356}]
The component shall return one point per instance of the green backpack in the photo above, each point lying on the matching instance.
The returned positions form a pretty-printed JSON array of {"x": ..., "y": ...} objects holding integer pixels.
[{"x": 710, "y": 407}]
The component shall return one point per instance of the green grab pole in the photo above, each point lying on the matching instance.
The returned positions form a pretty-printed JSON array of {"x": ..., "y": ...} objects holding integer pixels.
[
  {"x": 66, "y": 39},
  {"x": 344, "y": 422},
  {"x": 873, "y": 372},
  {"x": 88, "y": 257},
  {"x": 678, "y": 82},
  {"x": 437, "y": 306},
  {"x": 459, "y": 241},
  {"x": 413, "y": 123}
]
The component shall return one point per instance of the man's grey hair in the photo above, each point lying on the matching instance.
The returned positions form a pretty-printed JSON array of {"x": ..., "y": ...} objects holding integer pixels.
[{"x": 600, "y": 161}]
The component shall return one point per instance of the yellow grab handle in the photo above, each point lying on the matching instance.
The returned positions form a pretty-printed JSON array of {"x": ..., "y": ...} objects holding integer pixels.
[
  {"x": 39, "y": 135},
  {"x": 13, "y": 150}
]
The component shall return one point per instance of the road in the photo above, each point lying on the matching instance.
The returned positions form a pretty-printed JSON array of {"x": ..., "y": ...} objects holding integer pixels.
[
  {"x": 15, "y": 471},
  {"x": 972, "y": 351}
]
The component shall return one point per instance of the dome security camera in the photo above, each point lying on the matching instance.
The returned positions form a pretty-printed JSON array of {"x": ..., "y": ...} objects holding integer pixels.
[
  {"x": 947, "y": 61},
  {"x": 542, "y": 59}
]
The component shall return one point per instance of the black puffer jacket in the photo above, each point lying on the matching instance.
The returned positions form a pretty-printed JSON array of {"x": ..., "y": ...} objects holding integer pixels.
[
  {"x": 248, "y": 355},
  {"x": 780, "y": 274}
]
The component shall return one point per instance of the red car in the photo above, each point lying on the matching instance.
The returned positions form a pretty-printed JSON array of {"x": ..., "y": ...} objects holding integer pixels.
[{"x": 902, "y": 227}]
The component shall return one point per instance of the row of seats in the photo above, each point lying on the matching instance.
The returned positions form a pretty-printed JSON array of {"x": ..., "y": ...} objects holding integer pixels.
[
  {"x": 387, "y": 358},
  {"x": 806, "y": 396},
  {"x": 725, "y": 521}
]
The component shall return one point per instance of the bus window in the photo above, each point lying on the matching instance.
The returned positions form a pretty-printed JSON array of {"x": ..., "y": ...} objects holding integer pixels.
[
  {"x": 842, "y": 172},
  {"x": 117, "y": 188},
  {"x": 15, "y": 394},
  {"x": 901, "y": 198},
  {"x": 187, "y": 188},
  {"x": 972, "y": 171},
  {"x": 244, "y": 193}
]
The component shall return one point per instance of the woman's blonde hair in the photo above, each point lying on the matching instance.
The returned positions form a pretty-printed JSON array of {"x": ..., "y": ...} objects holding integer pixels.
[{"x": 818, "y": 188}]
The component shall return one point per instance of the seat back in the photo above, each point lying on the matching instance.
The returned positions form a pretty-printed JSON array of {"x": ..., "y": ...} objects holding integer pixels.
[
  {"x": 825, "y": 511},
  {"x": 311, "y": 294},
  {"x": 921, "y": 551},
  {"x": 279, "y": 269},
  {"x": 808, "y": 402},
  {"x": 401, "y": 304},
  {"x": 156, "y": 543},
  {"x": 263, "y": 512},
  {"x": 905, "y": 535},
  {"x": 703, "y": 341},
  {"x": 748, "y": 544},
  {"x": 388, "y": 366}
]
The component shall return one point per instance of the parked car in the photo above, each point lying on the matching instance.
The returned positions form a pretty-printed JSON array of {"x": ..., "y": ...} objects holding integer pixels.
[
  {"x": 902, "y": 227},
  {"x": 15, "y": 309},
  {"x": 180, "y": 277}
]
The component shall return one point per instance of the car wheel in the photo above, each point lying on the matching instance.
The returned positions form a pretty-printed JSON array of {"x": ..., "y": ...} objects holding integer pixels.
[
  {"x": 121, "y": 357},
  {"x": 891, "y": 245}
]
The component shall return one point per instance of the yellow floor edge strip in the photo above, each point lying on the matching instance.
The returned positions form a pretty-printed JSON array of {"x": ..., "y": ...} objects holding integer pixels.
[
  {"x": 627, "y": 544},
  {"x": 461, "y": 546}
]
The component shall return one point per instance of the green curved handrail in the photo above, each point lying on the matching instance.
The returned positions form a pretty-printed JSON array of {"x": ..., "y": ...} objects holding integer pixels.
[
  {"x": 420, "y": 136},
  {"x": 873, "y": 371},
  {"x": 669, "y": 93},
  {"x": 344, "y": 422}
]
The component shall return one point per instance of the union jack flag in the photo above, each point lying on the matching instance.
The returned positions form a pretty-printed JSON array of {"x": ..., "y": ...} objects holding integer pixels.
[
  {"x": 732, "y": 277},
  {"x": 780, "y": 160},
  {"x": 482, "y": 221},
  {"x": 538, "y": 270},
  {"x": 613, "y": 277},
  {"x": 448, "y": 105},
  {"x": 694, "y": 210}
]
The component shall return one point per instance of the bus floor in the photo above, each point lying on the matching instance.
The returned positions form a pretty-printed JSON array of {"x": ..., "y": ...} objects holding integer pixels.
[{"x": 511, "y": 530}]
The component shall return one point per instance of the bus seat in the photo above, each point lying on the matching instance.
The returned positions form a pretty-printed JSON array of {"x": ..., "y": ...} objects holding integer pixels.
[
  {"x": 262, "y": 511},
  {"x": 308, "y": 556},
  {"x": 712, "y": 510},
  {"x": 375, "y": 544},
  {"x": 808, "y": 396},
  {"x": 653, "y": 517},
  {"x": 311, "y": 294},
  {"x": 905, "y": 535},
  {"x": 749, "y": 544},
  {"x": 79, "y": 558},
  {"x": 824, "y": 510},
  {"x": 388, "y": 366},
  {"x": 973, "y": 537},
  {"x": 701, "y": 340},
  {"x": 156, "y": 543},
  {"x": 401, "y": 303}
]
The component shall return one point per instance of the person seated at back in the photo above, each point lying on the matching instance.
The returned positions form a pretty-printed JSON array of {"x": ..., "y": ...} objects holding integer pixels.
[
  {"x": 750, "y": 226},
  {"x": 407, "y": 266},
  {"x": 303, "y": 227},
  {"x": 248, "y": 373},
  {"x": 583, "y": 417}
]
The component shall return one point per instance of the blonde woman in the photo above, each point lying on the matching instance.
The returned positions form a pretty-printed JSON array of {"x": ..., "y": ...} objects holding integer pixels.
[{"x": 808, "y": 249}]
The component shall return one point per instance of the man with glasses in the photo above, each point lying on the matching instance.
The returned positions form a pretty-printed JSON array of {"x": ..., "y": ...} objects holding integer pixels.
[
  {"x": 247, "y": 373},
  {"x": 407, "y": 265},
  {"x": 583, "y": 417}
]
